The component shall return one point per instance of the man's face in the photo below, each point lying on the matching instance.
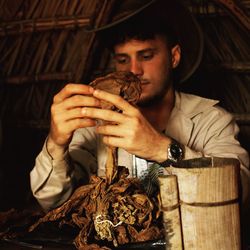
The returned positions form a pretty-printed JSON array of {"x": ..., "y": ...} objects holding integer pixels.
[{"x": 151, "y": 61}]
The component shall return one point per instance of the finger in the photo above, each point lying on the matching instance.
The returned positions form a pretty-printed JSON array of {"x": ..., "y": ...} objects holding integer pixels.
[
  {"x": 73, "y": 89},
  {"x": 66, "y": 115},
  {"x": 81, "y": 101},
  {"x": 113, "y": 130},
  {"x": 74, "y": 124},
  {"x": 114, "y": 141},
  {"x": 116, "y": 100},
  {"x": 103, "y": 114},
  {"x": 65, "y": 129},
  {"x": 60, "y": 115}
]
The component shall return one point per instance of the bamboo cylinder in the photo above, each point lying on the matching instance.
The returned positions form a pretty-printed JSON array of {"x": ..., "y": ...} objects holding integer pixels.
[
  {"x": 171, "y": 213},
  {"x": 208, "y": 193}
]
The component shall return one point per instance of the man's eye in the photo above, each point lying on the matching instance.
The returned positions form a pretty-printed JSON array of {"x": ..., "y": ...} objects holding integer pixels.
[
  {"x": 147, "y": 56},
  {"x": 121, "y": 60}
]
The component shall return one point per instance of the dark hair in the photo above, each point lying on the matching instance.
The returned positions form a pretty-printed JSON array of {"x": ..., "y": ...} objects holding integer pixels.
[{"x": 139, "y": 28}]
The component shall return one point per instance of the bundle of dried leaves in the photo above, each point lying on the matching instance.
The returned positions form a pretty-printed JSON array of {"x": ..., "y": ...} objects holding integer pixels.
[{"x": 119, "y": 213}]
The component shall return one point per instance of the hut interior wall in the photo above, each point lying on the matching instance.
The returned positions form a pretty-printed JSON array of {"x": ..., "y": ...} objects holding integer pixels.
[{"x": 43, "y": 46}]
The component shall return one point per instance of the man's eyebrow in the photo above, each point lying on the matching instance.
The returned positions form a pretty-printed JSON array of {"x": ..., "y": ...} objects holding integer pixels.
[
  {"x": 147, "y": 50},
  {"x": 120, "y": 54},
  {"x": 139, "y": 52}
]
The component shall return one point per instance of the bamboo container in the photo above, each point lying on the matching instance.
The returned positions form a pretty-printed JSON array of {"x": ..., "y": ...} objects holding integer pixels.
[
  {"x": 171, "y": 213},
  {"x": 208, "y": 193}
]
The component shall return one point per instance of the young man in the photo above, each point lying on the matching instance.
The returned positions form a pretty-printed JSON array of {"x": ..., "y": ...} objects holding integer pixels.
[{"x": 166, "y": 125}]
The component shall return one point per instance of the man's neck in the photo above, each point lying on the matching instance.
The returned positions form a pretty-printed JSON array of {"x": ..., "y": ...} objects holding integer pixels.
[{"x": 159, "y": 113}]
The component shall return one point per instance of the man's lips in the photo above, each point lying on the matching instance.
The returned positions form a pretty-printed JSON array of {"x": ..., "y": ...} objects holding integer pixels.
[{"x": 144, "y": 82}]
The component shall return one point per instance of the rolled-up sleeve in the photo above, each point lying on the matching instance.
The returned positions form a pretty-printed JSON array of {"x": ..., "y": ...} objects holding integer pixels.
[{"x": 53, "y": 181}]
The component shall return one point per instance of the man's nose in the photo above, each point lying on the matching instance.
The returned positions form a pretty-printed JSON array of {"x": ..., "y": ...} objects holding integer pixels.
[{"x": 136, "y": 68}]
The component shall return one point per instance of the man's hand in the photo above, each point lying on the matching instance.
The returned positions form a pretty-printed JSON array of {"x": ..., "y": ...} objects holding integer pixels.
[
  {"x": 67, "y": 116},
  {"x": 128, "y": 130}
]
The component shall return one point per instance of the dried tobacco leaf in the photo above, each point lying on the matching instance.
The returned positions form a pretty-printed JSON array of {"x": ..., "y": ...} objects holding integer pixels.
[
  {"x": 122, "y": 83},
  {"x": 120, "y": 213}
]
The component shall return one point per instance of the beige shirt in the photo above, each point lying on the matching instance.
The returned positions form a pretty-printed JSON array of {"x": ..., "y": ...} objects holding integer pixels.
[{"x": 198, "y": 123}]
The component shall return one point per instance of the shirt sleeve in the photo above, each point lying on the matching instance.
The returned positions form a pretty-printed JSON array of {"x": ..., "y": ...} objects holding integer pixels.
[
  {"x": 50, "y": 179},
  {"x": 53, "y": 181}
]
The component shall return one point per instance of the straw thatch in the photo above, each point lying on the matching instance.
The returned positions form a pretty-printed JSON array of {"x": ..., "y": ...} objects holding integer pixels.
[{"x": 43, "y": 42}]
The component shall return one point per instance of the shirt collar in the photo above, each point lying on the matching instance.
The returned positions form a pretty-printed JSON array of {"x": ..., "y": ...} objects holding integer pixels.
[{"x": 191, "y": 105}]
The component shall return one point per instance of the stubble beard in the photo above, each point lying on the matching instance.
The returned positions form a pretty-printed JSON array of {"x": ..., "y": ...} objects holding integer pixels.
[{"x": 159, "y": 96}]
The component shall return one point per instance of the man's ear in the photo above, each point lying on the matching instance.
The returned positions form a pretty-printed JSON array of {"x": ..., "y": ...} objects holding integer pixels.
[{"x": 176, "y": 55}]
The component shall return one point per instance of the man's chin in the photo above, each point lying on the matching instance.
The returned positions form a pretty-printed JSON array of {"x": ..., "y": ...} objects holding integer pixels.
[{"x": 149, "y": 101}]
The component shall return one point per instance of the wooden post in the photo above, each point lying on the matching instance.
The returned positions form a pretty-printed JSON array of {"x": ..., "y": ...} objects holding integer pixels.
[{"x": 171, "y": 213}]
